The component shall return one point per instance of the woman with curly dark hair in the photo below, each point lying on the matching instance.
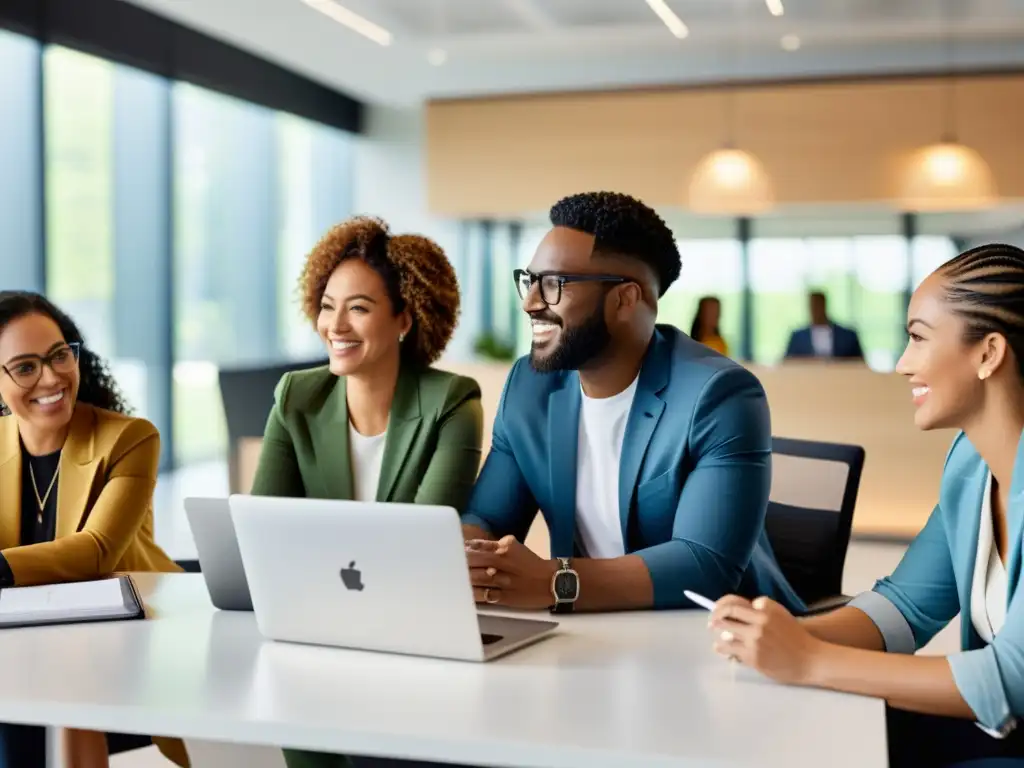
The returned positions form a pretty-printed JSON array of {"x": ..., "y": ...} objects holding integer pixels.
[
  {"x": 377, "y": 423},
  {"x": 65, "y": 426}
]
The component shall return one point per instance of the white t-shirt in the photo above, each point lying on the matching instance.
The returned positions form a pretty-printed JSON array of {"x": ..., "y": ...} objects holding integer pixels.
[
  {"x": 989, "y": 586},
  {"x": 821, "y": 340},
  {"x": 366, "y": 455},
  {"x": 598, "y": 455}
]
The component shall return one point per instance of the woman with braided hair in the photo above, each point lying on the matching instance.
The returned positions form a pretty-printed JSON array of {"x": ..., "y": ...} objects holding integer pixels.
[{"x": 965, "y": 365}]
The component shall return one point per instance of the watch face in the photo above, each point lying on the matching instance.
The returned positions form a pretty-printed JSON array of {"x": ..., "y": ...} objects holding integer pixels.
[{"x": 567, "y": 585}]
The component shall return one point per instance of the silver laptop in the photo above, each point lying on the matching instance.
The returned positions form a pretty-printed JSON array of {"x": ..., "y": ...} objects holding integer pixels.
[
  {"x": 370, "y": 576},
  {"x": 219, "y": 558}
]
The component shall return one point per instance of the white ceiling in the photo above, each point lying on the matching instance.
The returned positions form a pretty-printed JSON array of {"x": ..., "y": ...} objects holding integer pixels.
[{"x": 507, "y": 46}]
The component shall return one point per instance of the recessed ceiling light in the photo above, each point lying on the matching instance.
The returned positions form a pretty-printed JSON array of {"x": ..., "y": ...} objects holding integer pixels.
[
  {"x": 790, "y": 43},
  {"x": 437, "y": 57},
  {"x": 353, "y": 21},
  {"x": 674, "y": 23},
  {"x": 775, "y": 7}
]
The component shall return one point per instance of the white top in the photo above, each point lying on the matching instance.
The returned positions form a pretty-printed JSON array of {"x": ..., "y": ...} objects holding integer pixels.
[
  {"x": 989, "y": 587},
  {"x": 366, "y": 455},
  {"x": 599, "y": 451},
  {"x": 608, "y": 690},
  {"x": 821, "y": 340}
]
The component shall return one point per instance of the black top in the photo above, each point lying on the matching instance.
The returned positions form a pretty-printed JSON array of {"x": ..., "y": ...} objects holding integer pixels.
[{"x": 37, "y": 525}]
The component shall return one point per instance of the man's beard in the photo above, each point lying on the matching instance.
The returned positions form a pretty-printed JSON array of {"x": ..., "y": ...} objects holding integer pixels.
[{"x": 577, "y": 346}]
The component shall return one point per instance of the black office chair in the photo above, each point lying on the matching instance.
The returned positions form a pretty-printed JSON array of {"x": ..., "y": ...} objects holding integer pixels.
[
  {"x": 189, "y": 566},
  {"x": 810, "y": 514},
  {"x": 247, "y": 395}
]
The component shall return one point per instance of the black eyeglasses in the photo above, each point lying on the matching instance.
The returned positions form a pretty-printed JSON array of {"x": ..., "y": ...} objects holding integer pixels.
[
  {"x": 551, "y": 283},
  {"x": 26, "y": 370}
]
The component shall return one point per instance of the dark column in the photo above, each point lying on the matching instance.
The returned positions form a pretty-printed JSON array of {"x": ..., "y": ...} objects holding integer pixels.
[
  {"x": 515, "y": 237},
  {"x": 747, "y": 297},
  {"x": 486, "y": 257}
]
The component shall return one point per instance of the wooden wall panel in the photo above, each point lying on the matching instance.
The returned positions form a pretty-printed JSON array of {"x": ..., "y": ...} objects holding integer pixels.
[{"x": 841, "y": 142}]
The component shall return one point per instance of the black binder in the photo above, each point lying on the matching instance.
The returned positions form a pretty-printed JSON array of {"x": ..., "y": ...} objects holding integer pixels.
[{"x": 111, "y": 599}]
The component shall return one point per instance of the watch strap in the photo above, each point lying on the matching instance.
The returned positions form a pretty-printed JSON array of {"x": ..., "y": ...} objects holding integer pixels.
[{"x": 561, "y": 605}]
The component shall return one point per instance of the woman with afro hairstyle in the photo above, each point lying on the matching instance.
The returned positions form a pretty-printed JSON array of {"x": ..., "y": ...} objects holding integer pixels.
[
  {"x": 377, "y": 423},
  {"x": 77, "y": 475}
]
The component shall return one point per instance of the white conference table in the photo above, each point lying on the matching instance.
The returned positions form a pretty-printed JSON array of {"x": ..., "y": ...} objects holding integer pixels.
[{"x": 637, "y": 689}]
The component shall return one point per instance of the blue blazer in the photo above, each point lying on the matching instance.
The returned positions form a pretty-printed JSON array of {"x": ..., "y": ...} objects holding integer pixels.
[
  {"x": 932, "y": 584},
  {"x": 693, "y": 482},
  {"x": 845, "y": 343}
]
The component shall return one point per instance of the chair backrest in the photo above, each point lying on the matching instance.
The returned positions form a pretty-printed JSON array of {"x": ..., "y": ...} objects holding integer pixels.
[
  {"x": 248, "y": 395},
  {"x": 810, "y": 512}
]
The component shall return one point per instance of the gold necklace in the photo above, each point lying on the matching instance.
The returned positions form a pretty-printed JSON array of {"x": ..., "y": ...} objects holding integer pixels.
[{"x": 41, "y": 500}]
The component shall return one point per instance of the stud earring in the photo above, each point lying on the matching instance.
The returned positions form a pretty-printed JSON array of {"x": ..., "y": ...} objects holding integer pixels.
[
  {"x": 401, "y": 338},
  {"x": 982, "y": 375}
]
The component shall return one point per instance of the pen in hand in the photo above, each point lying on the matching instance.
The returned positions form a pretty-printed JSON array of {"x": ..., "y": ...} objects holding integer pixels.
[
  {"x": 709, "y": 605},
  {"x": 700, "y": 600}
]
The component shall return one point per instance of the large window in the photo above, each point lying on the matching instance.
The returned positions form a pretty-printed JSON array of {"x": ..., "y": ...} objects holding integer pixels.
[
  {"x": 106, "y": 161},
  {"x": 225, "y": 260},
  {"x": 20, "y": 209},
  {"x": 79, "y": 109},
  {"x": 169, "y": 221},
  {"x": 253, "y": 192}
]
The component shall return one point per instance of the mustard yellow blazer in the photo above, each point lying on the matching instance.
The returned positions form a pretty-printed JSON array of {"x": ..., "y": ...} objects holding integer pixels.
[{"x": 108, "y": 471}]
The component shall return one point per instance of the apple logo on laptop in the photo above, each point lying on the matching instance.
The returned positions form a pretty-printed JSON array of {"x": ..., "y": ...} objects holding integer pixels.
[{"x": 351, "y": 577}]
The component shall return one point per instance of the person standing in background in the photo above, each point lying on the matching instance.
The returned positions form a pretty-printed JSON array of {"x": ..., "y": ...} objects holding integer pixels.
[
  {"x": 705, "y": 325},
  {"x": 823, "y": 338}
]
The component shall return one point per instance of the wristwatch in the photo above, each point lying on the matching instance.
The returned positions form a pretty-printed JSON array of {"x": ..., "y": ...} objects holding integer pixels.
[{"x": 565, "y": 586}]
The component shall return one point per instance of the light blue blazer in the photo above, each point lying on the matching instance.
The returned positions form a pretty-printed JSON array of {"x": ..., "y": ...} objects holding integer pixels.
[
  {"x": 932, "y": 584},
  {"x": 694, "y": 477}
]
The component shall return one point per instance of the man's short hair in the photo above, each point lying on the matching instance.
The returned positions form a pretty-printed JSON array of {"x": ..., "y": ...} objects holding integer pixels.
[{"x": 622, "y": 226}]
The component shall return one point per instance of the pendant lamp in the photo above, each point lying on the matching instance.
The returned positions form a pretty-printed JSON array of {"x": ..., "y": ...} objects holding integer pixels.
[
  {"x": 730, "y": 181},
  {"x": 947, "y": 175}
]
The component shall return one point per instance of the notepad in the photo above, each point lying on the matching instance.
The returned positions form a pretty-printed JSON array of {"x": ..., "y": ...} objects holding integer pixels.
[{"x": 101, "y": 600}]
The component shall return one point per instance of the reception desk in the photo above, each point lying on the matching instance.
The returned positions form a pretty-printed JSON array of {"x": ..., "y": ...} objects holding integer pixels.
[{"x": 833, "y": 402}]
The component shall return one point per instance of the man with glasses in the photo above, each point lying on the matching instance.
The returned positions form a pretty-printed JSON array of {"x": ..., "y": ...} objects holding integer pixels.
[{"x": 648, "y": 454}]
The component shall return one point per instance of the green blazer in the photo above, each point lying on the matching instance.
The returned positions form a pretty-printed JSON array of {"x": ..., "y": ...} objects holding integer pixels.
[{"x": 431, "y": 452}]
